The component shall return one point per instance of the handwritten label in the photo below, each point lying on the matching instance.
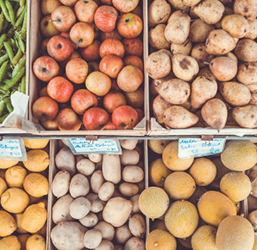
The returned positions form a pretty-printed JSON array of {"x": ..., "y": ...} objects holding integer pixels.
[
  {"x": 12, "y": 149},
  {"x": 102, "y": 146},
  {"x": 190, "y": 147}
]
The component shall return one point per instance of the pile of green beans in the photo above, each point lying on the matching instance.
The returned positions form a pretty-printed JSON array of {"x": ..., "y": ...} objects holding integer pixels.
[{"x": 13, "y": 27}]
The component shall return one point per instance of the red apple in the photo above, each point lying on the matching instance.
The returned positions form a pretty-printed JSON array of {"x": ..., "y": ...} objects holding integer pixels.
[
  {"x": 50, "y": 124},
  {"x": 133, "y": 46},
  {"x": 82, "y": 100},
  {"x": 43, "y": 47},
  {"x": 95, "y": 118},
  {"x": 111, "y": 46},
  {"x": 47, "y": 28},
  {"x": 112, "y": 34},
  {"x": 63, "y": 18},
  {"x": 68, "y": 120},
  {"x": 130, "y": 78},
  {"x": 60, "y": 89},
  {"x": 93, "y": 66},
  {"x": 45, "y": 108},
  {"x": 69, "y": 2},
  {"x": 45, "y": 68},
  {"x": 98, "y": 83},
  {"x": 110, "y": 126},
  {"x": 124, "y": 117},
  {"x": 96, "y": 31},
  {"x": 59, "y": 48},
  {"x": 140, "y": 114},
  {"x": 85, "y": 10},
  {"x": 82, "y": 34},
  {"x": 135, "y": 99},
  {"x": 108, "y": 2},
  {"x": 113, "y": 100},
  {"x": 129, "y": 25},
  {"x": 74, "y": 55},
  {"x": 105, "y": 18},
  {"x": 91, "y": 52},
  {"x": 125, "y": 5},
  {"x": 48, "y": 6},
  {"x": 43, "y": 92},
  {"x": 134, "y": 61},
  {"x": 76, "y": 70},
  {"x": 111, "y": 65}
]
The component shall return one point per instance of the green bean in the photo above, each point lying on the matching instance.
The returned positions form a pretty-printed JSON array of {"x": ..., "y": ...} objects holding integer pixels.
[
  {"x": 5, "y": 11},
  {"x": 20, "y": 18},
  {"x": 15, "y": 79},
  {"x": 9, "y": 50},
  {"x": 10, "y": 31},
  {"x": 12, "y": 43},
  {"x": 17, "y": 1},
  {"x": 3, "y": 69},
  {"x": 23, "y": 84},
  {"x": 9, "y": 74},
  {"x": 21, "y": 44},
  {"x": 3, "y": 117},
  {"x": 11, "y": 11},
  {"x": 1, "y": 21},
  {"x": 17, "y": 57},
  {"x": 2, "y": 106},
  {"x": 19, "y": 65},
  {"x": 24, "y": 24},
  {"x": 3, "y": 38},
  {"x": 3, "y": 58},
  {"x": 5, "y": 81},
  {"x": 22, "y": 2},
  {"x": 19, "y": 11},
  {"x": 8, "y": 104}
]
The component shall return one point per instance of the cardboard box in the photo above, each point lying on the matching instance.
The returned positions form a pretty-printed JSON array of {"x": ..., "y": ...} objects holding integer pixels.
[{"x": 35, "y": 84}]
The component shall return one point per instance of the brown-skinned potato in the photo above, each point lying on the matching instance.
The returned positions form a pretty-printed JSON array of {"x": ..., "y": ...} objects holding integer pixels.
[
  {"x": 246, "y": 116},
  {"x": 199, "y": 31},
  {"x": 178, "y": 4},
  {"x": 246, "y": 50},
  {"x": 246, "y": 8},
  {"x": 200, "y": 54},
  {"x": 156, "y": 37},
  {"x": 158, "y": 12},
  {"x": 251, "y": 32},
  {"x": 184, "y": 48}
]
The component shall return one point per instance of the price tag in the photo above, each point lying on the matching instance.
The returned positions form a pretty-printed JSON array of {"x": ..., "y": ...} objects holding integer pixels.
[
  {"x": 189, "y": 147},
  {"x": 101, "y": 146},
  {"x": 12, "y": 149}
]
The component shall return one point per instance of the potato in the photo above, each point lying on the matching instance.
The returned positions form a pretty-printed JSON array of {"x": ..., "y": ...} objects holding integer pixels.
[
  {"x": 158, "y": 64},
  {"x": 85, "y": 167},
  {"x": 183, "y": 48},
  {"x": 251, "y": 32},
  {"x": 61, "y": 209},
  {"x": 253, "y": 100},
  {"x": 235, "y": 93},
  {"x": 247, "y": 50},
  {"x": 106, "y": 229},
  {"x": 137, "y": 225},
  {"x": 247, "y": 74},
  {"x": 111, "y": 168},
  {"x": 178, "y": 4},
  {"x": 200, "y": 54},
  {"x": 128, "y": 189},
  {"x": 122, "y": 234},
  {"x": 158, "y": 12},
  {"x": 79, "y": 186},
  {"x": 134, "y": 199},
  {"x": 156, "y": 37},
  {"x": 134, "y": 243},
  {"x": 129, "y": 157},
  {"x": 159, "y": 106},
  {"x": 141, "y": 185},
  {"x": 97, "y": 205},
  {"x": 61, "y": 183},
  {"x": 65, "y": 160},
  {"x": 105, "y": 245},
  {"x": 117, "y": 211},
  {"x": 96, "y": 181},
  {"x": 95, "y": 157},
  {"x": 199, "y": 31},
  {"x": 132, "y": 174},
  {"x": 106, "y": 191},
  {"x": 179, "y": 117},
  {"x": 246, "y": 8},
  {"x": 128, "y": 144},
  {"x": 118, "y": 247},
  {"x": 92, "y": 239},
  {"x": 89, "y": 220},
  {"x": 246, "y": 116},
  {"x": 68, "y": 235},
  {"x": 174, "y": 91},
  {"x": 80, "y": 207}
]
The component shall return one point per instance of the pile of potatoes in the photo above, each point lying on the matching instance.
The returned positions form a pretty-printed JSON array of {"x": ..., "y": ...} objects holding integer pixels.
[
  {"x": 203, "y": 63},
  {"x": 97, "y": 199},
  {"x": 23, "y": 198}
]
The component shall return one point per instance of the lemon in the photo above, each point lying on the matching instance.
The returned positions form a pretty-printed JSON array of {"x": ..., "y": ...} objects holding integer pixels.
[
  {"x": 36, "y": 242},
  {"x": 10, "y": 243},
  {"x": 36, "y": 185},
  {"x": 3, "y": 186},
  {"x": 7, "y": 224},
  {"x": 15, "y": 176},
  {"x": 35, "y": 143},
  {"x": 17, "y": 218},
  {"x": 7, "y": 164}
]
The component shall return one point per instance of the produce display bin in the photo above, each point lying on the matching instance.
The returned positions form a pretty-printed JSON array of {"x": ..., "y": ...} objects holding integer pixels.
[{"x": 35, "y": 84}]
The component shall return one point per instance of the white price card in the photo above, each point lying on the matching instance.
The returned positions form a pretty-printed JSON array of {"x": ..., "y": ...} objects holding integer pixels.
[
  {"x": 194, "y": 147},
  {"x": 12, "y": 149},
  {"x": 101, "y": 146}
]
